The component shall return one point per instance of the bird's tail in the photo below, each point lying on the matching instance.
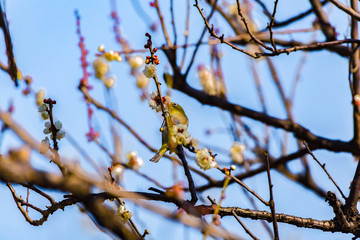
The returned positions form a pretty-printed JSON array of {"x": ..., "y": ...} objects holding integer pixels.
[{"x": 158, "y": 155}]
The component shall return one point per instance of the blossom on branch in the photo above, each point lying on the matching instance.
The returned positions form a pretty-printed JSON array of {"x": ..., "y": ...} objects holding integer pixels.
[
  {"x": 135, "y": 61},
  {"x": 142, "y": 81},
  {"x": 134, "y": 161},
  {"x": 43, "y": 109},
  {"x": 150, "y": 70},
  {"x": 124, "y": 214},
  {"x": 109, "y": 82},
  {"x": 154, "y": 101},
  {"x": 101, "y": 67},
  {"x": 207, "y": 80},
  {"x": 204, "y": 160},
  {"x": 236, "y": 152}
]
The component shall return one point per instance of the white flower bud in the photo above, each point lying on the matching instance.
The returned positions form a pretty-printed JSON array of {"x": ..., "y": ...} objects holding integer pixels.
[{"x": 58, "y": 125}]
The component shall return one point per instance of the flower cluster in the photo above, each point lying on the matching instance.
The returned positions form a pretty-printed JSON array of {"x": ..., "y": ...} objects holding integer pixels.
[
  {"x": 210, "y": 84},
  {"x": 237, "y": 152},
  {"x": 59, "y": 133},
  {"x": 135, "y": 63},
  {"x": 151, "y": 61},
  {"x": 204, "y": 159},
  {"x": 110, "y": 56},
  {"x": 155, "y": 103},
  {"x": 50, "y": 127},
  {"x": 180, "y": 136},
  {"x": 43, "y": 110},
  {"x": 124, "y": 214},
  {"x": 101, "y": 66},
  {"x": 134, "y": 161}
]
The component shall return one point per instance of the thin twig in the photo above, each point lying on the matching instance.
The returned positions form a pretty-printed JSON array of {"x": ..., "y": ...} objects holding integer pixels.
[
  {"x": 271, "y": 26},
  {"x": 323, "y": 167},
  {"x": 12, "y": 69},
  {"x": 35, "y": 189},
  {"x": 238, "y": 181},
  {"x": 173, "y": 20},
  {"x": 271, "y": 201},
  {"x": 248, "y": 29},
  {"x": 244, "y": 226},
  {"x": 199, "y": 42},
  {"x": 186, "y": 33},
  {"x": 220, "y": 38},
  {"x": 116, "y": 117},
  {"x": 163, "y": 26}
]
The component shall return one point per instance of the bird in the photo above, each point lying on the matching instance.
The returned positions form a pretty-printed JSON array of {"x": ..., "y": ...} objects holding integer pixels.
[{"x": 174, "y": 116}]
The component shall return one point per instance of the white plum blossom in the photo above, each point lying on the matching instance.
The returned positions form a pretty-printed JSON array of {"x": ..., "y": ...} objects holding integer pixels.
[
  {"x": 117, "y": 172},
  {"x": 207, "y": 80},
  {"x": 135, "y": 61},
  {"x": 101, "y": 67},
  {"x": 44, "y": 115},
  {"x": 60, "y": 134},
  {"x": 204, "y": 160},
  {"x": 109, "y": 82},
  {"x": 193, "y": 142},
  {"x": 154, "y": 101},
  {"x": 58, "y": 125},
  {"x": 142, "y": 81},
  {"x": 134, "y": 161},
  {"x": 124, "y": 214},
  {"x": 237, "y": 152},
  {"x": 43, "y": 110},
  {"x": 150, "y": 70},
  {"x": 47, "y": 128}
]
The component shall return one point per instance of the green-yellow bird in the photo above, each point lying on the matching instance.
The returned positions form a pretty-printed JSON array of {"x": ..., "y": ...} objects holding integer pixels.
[{"x": 174, "y": 116}]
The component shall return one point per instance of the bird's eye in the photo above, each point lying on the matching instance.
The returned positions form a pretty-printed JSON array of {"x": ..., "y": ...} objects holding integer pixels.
[{"x": 174, "y": 104}]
